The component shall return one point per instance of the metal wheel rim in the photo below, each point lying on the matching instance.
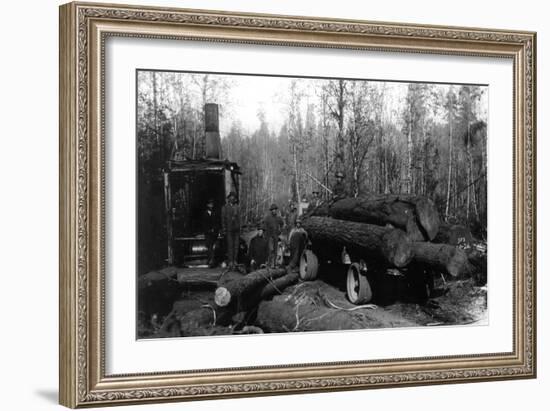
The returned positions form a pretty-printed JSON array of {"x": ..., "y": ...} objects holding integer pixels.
[
  {"x": 303, "y": 265},
  {"x": 353, "y": 283}
]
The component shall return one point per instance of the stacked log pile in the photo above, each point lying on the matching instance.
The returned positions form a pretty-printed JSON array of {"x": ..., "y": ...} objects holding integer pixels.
[
  {"x": 395, "y": 230},
  {"x": 236, "y": 296},
  {"x": 416, "y": 215}
]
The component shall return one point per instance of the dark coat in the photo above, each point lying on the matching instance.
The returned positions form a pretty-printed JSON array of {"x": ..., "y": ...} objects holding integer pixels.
[
  {"x": 210, "y": 222},
  {"x": 273, "y": 225},
  {"x": 231, "y": 217},
  {"x": 339, "y": 191},
  {"x": 291, "y": 219},
  {"x": 258, "y": 250}
]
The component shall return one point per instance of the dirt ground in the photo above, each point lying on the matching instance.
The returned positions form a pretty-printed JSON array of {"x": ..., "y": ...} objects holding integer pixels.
[
  {"x": 316, "y": 305},
  {"x": 322, "y": 305}
]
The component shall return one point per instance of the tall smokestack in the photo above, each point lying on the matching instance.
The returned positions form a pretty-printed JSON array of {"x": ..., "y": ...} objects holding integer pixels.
[{"x": 212, "y": 131}]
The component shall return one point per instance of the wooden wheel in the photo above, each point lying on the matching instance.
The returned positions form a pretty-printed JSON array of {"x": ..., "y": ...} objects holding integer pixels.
[
  {"x": 358, "y": 287},
  {"x": 309, "y": 266}
]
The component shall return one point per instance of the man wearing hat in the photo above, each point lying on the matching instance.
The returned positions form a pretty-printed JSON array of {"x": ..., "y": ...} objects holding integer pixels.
[
  {"x": 210, "y": 226},
  {"x": 297, "y": 240},
  {"x": 258, "y": 250},
  {"x": 231, "y": 222},
  {"x": 273, "y": 224},
  {"x": 339, "y": 189},
  {"x": 291, "y": 217},
  {"x": 315, "y": 200}
]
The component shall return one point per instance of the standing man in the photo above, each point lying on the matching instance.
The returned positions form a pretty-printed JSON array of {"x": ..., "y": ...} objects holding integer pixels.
[
  {"x": 258, "y": 250},
  {"x": 297, "y": 241},
  {"x": 231, "y": 221},
  {"x": 315, "y": 201},
  {"x": 339, "y": 189},
  {"x": 291, "y": 217},
  {"x": 273, "y": 223},
  {"x": 303, "y": 205},
  {"x": 210, "y": 227}
]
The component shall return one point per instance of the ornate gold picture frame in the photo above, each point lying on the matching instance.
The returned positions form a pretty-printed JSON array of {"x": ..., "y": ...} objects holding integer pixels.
[{"x": 84, "y": 30}]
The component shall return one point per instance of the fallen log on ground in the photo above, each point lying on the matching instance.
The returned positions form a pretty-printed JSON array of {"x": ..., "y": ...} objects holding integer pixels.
[
  {"x": 235, "y": 291},
  {"x": 329, "y": 236},
  {"x": 317, "y": 306},
  {"x": 244, "y": 308},
  {"x": 192, "y": 317},
  {"x": 278, "y": 286},
  {"x": 450, "y": 259},
  {"x": 273, "y": 288},
  {"x": 417, "y": 215}
]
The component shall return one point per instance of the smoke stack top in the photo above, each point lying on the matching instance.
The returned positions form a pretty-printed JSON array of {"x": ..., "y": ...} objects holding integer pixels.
[
  {"x": 212, "y": 130},
  {"x": 211, "y": 118}
]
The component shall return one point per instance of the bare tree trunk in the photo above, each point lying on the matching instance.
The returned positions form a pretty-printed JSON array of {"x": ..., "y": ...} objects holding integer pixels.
[
  {"x": 155, "y": 107},
  {"x": 469, "y": 171},
  {"x": 338, "y": 114},
  {"x": 474, "y": 190},
  {"x": 409, "y": 152},
  {"x": 296, "y": 176},
  {"x": 450, "y": 170},
  {"x": 386, "y": 171},
  {"x": 423, "y": 161},
  {"x": 194, "y": 140}
]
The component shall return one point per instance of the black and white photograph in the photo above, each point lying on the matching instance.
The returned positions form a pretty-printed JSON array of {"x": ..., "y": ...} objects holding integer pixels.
[{"x": 280, "y": 204}]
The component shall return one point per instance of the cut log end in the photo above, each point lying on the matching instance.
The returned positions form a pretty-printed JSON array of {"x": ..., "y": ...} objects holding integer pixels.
[
  {"x": 397, "y": 248},
  {"x": 222, "y": 297},
  {"x": 415, "y": 214},
  {"x": 428, "y": 217},
  {"x": 451, "y": 259},
  {"x": 459, "y": 265}
]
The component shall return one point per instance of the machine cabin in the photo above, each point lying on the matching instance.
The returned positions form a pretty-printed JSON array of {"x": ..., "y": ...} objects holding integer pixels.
[{"x": 188, "y": 185}]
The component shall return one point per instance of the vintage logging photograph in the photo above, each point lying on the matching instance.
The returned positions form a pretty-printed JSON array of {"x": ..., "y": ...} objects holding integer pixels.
[{"x": 273, "y": 204}]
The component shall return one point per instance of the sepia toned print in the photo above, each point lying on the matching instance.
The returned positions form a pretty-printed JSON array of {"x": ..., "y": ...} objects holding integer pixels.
[{"x": 282, "y": 204}]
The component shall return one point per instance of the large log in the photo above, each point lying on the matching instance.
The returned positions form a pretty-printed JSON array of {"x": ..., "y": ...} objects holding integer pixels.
[
  {"x": 329, "y": 236},
  {"x": 277, "y": 286},
  {"x": 450, "y": 259},
  {"x": 235, "y": 291},
  {"x": 249, "y": 306},
  {"x": 248, "y": 302},
  {"x": 417, "y": 215},
  {"x": 454, "y": 234},
  {"x": 312, "y": 306}
]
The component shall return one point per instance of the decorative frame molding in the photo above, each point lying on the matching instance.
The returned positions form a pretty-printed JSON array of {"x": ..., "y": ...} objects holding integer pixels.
[{"x": 83, "y": 30}]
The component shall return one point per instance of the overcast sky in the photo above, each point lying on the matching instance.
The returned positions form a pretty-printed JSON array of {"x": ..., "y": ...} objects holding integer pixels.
[
  {"x": 250, "y": 94},
  {"x": 246, "y": 95}
]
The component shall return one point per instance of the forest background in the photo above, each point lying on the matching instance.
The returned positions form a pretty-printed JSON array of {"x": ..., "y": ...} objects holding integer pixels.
[{"x": 291, "y": 135}]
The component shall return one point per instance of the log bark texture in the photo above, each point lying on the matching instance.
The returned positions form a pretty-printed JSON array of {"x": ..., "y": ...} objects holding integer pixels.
[
  {"x": 417, "y": 215},
  {"x": 450, "y": 259},
  {"x": 234, "y": 292},
  {"x": 329, "y": 236},
  {"x": 273, "y": 288},
  {"x": 307, "y": 307},
  {"x": 453, "y": 234}
]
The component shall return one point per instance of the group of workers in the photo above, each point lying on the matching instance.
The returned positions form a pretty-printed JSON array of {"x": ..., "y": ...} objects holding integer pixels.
[
  {"x": 264, "y": 246},
  {"x": 273, "y": 230}
]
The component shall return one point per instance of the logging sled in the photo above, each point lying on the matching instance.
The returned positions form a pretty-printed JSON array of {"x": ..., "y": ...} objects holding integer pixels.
[
  {"x": 384, "y": 236},
  {"x": 377, "y": 250}
]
